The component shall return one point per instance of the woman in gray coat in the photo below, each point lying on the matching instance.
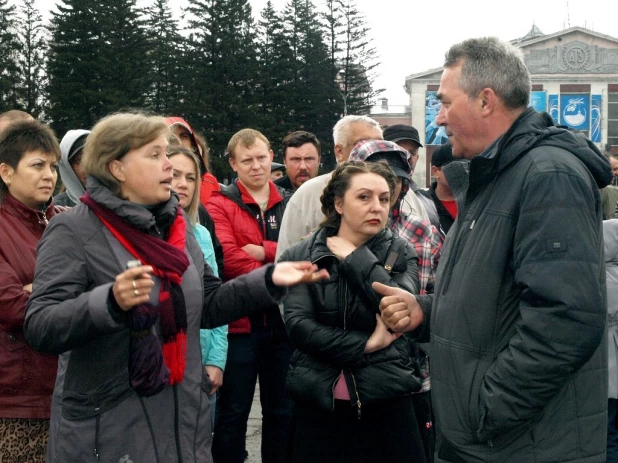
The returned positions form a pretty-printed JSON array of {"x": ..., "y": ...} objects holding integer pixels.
[{"x": 120, "y": 293}]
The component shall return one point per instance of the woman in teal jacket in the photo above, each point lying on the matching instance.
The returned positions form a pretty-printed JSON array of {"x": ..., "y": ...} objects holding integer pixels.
[{"x": 186, "y": 185}]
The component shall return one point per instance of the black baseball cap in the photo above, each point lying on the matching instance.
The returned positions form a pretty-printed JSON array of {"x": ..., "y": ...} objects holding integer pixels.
[{"x": 400, "y": 132}]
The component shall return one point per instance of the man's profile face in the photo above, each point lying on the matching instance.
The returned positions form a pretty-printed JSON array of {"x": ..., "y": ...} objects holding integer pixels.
[
  {"x": 459, "y": 115},
  {"x": 301, "y": 163}
]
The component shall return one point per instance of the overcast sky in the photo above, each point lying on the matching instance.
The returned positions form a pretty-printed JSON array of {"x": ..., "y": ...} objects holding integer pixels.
[{"x": 412, "y": 36}]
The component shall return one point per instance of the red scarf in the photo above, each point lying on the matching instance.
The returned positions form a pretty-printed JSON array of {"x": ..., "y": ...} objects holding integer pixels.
[{"x": 169, "y": 262}]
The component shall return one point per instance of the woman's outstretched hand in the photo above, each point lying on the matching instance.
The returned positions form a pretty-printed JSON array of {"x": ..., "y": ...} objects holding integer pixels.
[{"x": 295, "y": 273}]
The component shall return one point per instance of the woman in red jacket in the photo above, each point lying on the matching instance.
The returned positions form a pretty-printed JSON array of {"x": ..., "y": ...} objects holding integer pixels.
[{"x": 29, "y": 155}]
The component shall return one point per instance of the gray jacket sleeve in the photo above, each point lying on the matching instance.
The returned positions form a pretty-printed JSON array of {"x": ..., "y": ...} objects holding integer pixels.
[
  {"x": 65, "y": 310},
  {"x": 562, "y": 317}
]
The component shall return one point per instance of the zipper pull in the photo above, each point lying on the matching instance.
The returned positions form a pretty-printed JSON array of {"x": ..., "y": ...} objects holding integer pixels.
[
  {"x": 472, "y": 224},
  {"x": 157, "y": 229},
  {"x": 96, "y": 454},
  {"x": 358, "y": 408}
]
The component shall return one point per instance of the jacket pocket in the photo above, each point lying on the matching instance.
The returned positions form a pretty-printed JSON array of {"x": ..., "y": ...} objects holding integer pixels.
[
  {"x": 14, "y": 354},
  {"x": 79, "y": 405},
  {"x": 311, "y": 380},
  {"x": 120, "y": 434}
]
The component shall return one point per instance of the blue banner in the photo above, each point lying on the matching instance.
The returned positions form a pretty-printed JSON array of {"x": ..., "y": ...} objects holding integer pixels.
[
  {"x": 595, "y": 131},
  {"x": 554, "y": 109},
  {"x": 434, "y": 134},
  {"x": 538, "y": 100},
  {"x": 575, "y": 111}
]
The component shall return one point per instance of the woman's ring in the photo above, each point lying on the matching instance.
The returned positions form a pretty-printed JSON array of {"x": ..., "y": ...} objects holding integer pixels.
[
  {"x": 136, "y": 292},
  {"x": 134, "y": 285}
]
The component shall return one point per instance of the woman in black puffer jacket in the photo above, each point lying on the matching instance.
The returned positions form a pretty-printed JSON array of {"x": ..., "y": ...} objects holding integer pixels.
[{"x": 350, "y": 378}]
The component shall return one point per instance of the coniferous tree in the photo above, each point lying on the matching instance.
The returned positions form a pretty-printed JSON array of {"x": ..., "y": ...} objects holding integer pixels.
[
  {"x": 167, "y": 53},
  {"x": 220, "y": 98},
  {"x": 124, "y": 55},
  {"x": 275, "y": 76},
  {"x": 98, "y": 61},
  {"x": 31, "y": 59},
  {"x": 73, "y": 66},
  {"x": 313, "y": 107},
  {"x": 9, "y": 76},
  {"x": 358, "y": 61}
]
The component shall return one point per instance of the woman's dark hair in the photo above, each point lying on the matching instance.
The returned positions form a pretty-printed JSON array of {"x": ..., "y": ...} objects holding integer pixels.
[
  {"x": 23, "y": 137},
  {"x": 340, "y": 182}
]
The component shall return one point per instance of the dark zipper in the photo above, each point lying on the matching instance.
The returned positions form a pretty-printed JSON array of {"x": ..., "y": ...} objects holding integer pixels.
[
  {"x": 343, "y": 298},
  {"x": 460, "y": 236},
  {"x": 96, "y": 437},
  {"x": 177, "y": 424}
]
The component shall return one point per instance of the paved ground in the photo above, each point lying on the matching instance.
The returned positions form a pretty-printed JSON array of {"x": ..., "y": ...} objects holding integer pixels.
[{"x": 254, "y": 430}]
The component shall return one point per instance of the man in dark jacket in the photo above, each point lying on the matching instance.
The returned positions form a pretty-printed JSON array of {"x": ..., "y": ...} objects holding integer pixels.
[
  {"x": 517, "y": 320},
  {"x": 301, "y": 156},
  {"x": 440, "y": 191}
]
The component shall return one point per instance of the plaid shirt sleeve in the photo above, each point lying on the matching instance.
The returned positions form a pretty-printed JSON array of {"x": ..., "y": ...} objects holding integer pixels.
[{"x": 427, "y": 242}]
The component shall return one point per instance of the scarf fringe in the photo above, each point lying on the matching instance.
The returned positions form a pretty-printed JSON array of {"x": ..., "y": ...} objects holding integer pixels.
[{"x": 175, "y": 356}]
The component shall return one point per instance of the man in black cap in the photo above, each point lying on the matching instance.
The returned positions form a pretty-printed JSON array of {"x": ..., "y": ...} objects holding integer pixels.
[
  {"x": 276, "y": 171},
  {"x": 407, "y": 137},
  {"x": 440, "y": 191}
]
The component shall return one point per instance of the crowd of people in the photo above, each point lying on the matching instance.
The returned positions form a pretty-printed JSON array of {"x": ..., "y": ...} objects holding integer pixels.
[{"x": 384, "y": 322}]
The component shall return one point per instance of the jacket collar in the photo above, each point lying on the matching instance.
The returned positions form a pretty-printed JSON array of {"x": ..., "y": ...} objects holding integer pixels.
[
  {"x": 17, "y": 209},
  {"x": 239, "y": 194},
  {"x": 157, "y": 218}
]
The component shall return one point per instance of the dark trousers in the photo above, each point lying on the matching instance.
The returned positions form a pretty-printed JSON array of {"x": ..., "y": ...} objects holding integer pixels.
[
  {"x": 425, "y": 421},
  {"x": 265, "y": 354},
  {"x": 387, "y": 432},
  {"x": 612, "y": 431}
]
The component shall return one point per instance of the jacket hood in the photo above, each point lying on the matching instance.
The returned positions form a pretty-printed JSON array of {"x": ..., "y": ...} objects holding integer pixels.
[
  {"x": 610, "y": 239},
  {"x": 74, "y": 187},
  {"x": 172, "y": 121},
  {"x": 533, "y": 129}
]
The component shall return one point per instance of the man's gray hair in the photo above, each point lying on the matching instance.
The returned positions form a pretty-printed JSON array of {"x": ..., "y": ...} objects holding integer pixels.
[
  {"x": 340, "y": 131},
  {"x": 488, "y": 62}
]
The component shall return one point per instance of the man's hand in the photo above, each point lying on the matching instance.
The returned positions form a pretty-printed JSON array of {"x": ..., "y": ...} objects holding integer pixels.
[
  {"x": 216, "y": 378},
  {"x": 400, "y": 310},
  {"x": 255, "y": 251}
]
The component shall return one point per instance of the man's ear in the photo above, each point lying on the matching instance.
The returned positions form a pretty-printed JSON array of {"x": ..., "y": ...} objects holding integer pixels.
[
  {"x": 232, "y": 162},
  {"x": 339, "y": 154},
  {"x": 487, "y": 99},
  {"x": 116, "y": 168},
  {"x": 434, "y": 171},
  {"x": 272, "y": 155}
]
